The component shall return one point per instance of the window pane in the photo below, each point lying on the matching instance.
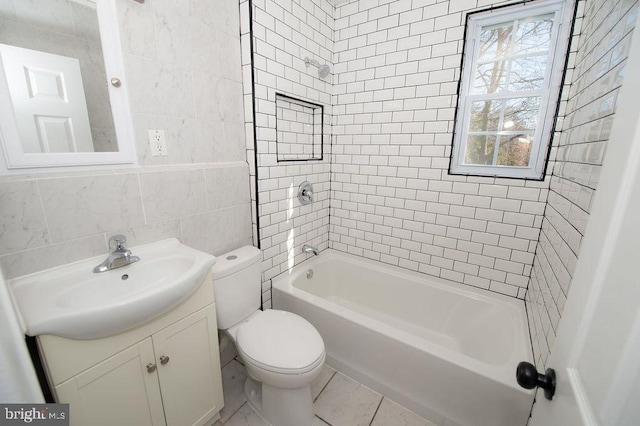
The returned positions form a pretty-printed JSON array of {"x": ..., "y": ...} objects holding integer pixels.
[
  {"x": 515, "y": 150},
  {"x": 533, "y": 35},
  {"x": 480, "y": 149},
  {"x": 521, "y": 113},
  {"x": 528, "y": 73},
  {"x": 490, "y": 78},
  {"x": 494, "y": 41},
  {"x": 485, "y": 116}
]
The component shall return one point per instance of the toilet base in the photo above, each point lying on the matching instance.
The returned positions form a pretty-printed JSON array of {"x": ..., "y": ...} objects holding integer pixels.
[
  {"x": 280, "y": 407},
  {"x": 253, "y": 394}
]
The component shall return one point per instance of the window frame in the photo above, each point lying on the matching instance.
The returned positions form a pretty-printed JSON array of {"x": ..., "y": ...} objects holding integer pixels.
[{"x": 554, "y": 76}]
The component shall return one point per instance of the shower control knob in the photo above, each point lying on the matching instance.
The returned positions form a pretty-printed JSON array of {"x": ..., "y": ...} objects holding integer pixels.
[
  {"x": 305, "y": 193},
  {"x": 529, "y": 378}
]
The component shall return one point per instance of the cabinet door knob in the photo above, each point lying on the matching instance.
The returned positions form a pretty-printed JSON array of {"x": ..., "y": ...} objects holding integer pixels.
[
  {"x": 151, "y": 367},
  {"x": 164, "y": 359}
]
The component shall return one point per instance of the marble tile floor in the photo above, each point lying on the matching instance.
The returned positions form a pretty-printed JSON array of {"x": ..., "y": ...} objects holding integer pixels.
[{"x": 338, "y": 401}]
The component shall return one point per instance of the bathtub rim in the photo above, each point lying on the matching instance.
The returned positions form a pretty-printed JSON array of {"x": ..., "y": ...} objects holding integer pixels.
[{"x": 504, "y": 374}]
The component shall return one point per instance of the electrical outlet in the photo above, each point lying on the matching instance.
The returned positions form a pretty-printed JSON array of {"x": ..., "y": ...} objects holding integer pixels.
[{"x": 157, "y": 142}]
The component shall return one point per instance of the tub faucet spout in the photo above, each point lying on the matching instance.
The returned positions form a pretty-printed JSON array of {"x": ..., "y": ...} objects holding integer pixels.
[{"x": 306, "y": 248}]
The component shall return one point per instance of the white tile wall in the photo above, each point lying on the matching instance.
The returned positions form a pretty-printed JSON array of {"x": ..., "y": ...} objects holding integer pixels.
[
  {"x": 596, "y": 74},
  {"x": 285, "y": 33},
  {"x": 247, "y": 94},
  {"x": 397, "y": 67},
  {"x": 183, "y": 64}
]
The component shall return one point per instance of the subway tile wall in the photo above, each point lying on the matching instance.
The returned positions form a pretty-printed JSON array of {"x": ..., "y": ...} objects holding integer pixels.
[
  {"x": 247, "y": 95},
  {"x": 397, "y": 66},
  {"x": 285, "y": 33},
  {"x": 183, "y": 68},
  {"x": 597, "y": 73}
]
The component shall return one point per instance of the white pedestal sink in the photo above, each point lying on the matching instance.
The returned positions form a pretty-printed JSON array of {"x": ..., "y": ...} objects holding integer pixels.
[{"x": 72, "y": 301}]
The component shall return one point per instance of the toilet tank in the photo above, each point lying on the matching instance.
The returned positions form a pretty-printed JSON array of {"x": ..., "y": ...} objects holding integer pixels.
[{"x": 237, "y": 285}]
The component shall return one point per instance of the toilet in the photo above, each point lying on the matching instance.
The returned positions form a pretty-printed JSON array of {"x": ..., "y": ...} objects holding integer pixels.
[{"x": 282, "y": 352}]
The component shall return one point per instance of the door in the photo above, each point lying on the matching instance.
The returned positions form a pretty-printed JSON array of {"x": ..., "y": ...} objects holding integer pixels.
[
  {"x": 121, "y": 390},
  {"x": 189, "y": 369},
  {"x": 48, "y": 100},
  {"x": 596, "y": 355},
  {"x": 18, "y": 380}
]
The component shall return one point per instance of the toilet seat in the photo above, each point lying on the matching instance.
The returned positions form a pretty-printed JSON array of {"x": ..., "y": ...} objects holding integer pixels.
[{"x": 281, "y": 342}]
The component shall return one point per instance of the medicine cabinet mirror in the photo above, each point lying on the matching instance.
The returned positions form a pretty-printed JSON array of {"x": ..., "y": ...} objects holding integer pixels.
[{"x": 63, "y": 98}]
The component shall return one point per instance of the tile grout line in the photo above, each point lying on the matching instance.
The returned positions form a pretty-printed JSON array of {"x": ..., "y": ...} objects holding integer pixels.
[
  {"x": 44, "y": 212},
  {"x": 325, "y": 386},
  {"x": 377, "y": 409},
  {"x": 234, "y": 413},
  {"x": 241, "y": 405},
  {"x": 323, "y": 420}
]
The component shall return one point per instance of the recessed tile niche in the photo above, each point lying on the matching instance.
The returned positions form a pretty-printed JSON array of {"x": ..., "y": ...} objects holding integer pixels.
[{"x": 298, "y": 129}]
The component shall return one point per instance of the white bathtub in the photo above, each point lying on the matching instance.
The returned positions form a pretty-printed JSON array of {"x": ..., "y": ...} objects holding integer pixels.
[{"x": 446, "y": 351}]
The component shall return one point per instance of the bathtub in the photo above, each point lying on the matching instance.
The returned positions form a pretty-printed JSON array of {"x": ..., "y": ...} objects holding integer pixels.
[{"x": 446, "y": 351}]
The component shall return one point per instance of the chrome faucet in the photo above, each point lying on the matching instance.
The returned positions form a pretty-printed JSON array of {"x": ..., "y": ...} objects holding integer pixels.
[
  {"x": 119, "y": 255},
  {"x": 306, "y": 248}
]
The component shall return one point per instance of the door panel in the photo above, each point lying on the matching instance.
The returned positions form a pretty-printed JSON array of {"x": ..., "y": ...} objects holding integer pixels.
[
  {"x": 48, "y": 100},
  {"x": 190, "y": 380},
  {"x": 118, "y": 391}
]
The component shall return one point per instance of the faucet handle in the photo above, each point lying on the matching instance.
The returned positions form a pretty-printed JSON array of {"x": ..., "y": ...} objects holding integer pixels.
[
  {"x": 305, "y": 193},
  {"x": 116, "y": 242}
]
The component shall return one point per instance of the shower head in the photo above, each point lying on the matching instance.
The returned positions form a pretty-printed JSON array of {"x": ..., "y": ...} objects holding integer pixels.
[{"x": 323, "y": 70}]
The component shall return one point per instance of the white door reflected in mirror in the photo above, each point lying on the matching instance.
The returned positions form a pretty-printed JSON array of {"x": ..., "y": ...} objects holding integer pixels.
[
  {"x": 48, "y": 99},
  {"x": 57, "y": 106}
]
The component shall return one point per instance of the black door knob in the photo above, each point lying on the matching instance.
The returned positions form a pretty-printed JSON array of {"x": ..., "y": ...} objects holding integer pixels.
[{"x": 528, "y": 377}]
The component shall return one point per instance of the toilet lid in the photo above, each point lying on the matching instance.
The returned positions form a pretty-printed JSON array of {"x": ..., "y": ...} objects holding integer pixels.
[{"x": 281, "y": 341}]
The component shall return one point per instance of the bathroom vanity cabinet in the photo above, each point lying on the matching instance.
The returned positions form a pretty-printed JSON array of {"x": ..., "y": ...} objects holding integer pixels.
[{"x": 166, "y": 372}]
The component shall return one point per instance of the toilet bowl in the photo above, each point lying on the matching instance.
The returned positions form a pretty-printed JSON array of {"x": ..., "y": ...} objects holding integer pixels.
[{"x": 282, "y": 352}]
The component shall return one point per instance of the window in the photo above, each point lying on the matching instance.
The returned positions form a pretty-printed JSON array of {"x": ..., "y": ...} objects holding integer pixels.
[{"x": 513, "y": 65}]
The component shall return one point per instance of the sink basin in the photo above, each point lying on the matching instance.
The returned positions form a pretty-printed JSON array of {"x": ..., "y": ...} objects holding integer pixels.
[{"x": 72, "y": 301}]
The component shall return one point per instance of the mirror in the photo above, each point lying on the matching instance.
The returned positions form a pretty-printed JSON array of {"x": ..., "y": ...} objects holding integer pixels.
[{"x": 63, "y": 100}]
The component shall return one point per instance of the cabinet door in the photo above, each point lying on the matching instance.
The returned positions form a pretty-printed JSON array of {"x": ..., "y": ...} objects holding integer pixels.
[
  {"x": 190, "y": 375},
  {"x": 118, "y": 391}
]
